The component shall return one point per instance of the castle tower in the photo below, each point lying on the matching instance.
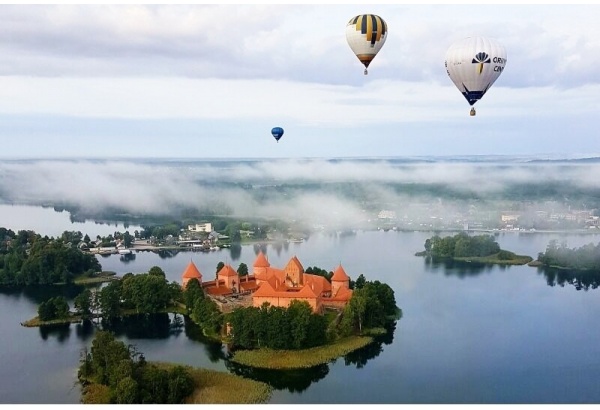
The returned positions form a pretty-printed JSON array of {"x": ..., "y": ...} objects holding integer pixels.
[
  {"x": 230, "y": 277},
  {"x": 339, "y": 280},
  {"x": 261, "y": 265},
  {"x": 294, "y": 273},
  {"x": 191, "y": 272}
]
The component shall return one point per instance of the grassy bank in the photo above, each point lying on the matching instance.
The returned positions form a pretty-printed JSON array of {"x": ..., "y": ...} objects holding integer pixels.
[
  {"x": 494, "y": 259},
  {"x": 296, "y": 359},
  {"x": 75, "y": 318},
  {"x": 35, "y": 322},
  {"x": 215, "y": 387},
  {"x": 211, "y": 387}
]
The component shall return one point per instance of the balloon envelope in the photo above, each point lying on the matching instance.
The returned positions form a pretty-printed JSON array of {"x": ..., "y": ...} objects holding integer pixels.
[
  {"x": 366, "y": 34},
  {"x": 474, "y": 64},
  {"x": 277, "y": 133}
]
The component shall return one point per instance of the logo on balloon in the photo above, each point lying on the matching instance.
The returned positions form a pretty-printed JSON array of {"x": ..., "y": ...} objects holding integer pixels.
[{"x": 481, "y": 59}]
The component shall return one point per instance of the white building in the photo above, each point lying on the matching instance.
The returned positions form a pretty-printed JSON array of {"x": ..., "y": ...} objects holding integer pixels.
[{"x": 203, "y": 227}]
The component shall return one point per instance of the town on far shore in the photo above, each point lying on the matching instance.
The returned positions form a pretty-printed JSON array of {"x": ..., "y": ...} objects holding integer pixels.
[{"x": 206, "y": 236}]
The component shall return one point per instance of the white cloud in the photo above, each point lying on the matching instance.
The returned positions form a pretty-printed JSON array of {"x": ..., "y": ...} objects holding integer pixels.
[{"x": 250, "y": 65}]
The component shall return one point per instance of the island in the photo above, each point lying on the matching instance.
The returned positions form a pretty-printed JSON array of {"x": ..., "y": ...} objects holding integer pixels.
[
  {"x": 269, "y": 317},
  {"x": 473, "y": 249}
]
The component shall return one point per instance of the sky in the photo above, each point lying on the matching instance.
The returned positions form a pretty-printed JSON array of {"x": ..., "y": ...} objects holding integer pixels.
[{"x": 210, "y": 81}]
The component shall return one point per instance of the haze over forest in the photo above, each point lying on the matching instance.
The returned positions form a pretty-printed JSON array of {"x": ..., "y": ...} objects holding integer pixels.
[{"x": 329, "y": 192}]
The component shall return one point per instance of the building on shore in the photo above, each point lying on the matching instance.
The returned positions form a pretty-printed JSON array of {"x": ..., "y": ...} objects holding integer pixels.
[{"x": 277, "y": 287}]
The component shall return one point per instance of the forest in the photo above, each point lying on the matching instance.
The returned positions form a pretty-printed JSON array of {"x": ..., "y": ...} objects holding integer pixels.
[
  {"x": 461, "y": 245},
  {"x": 27, "y": 258},
  {"x": 586, "y": 257},
  {"x": 112, "y": 372}
]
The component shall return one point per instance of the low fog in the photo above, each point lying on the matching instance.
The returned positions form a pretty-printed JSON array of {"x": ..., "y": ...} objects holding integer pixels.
[{"x": 340, "y": 193}]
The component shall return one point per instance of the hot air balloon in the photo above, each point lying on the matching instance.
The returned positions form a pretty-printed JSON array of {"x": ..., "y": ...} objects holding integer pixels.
[
  {"x": 277, "y": 133},
  {"x": 366, "y": 34},
  {"x": 474, "y": 64}
]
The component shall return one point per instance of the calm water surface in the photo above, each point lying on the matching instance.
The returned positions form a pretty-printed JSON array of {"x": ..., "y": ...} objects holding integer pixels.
[{"x": 468, "y": 334}]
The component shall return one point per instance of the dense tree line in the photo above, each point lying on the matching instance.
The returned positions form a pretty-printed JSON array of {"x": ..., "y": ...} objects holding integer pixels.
[
  {"x": 462, "y": 245},
  {"x": 54, "y": 308},
  {"x": 201, "y": 309},
  {"x": 586, "y": 257},
  {"x": 27, "y": 258},
  {"x": 373, "y": 305},
  {"x": 295, "y": 327},
  {"x": 145, "y": 293},
  {"x": 314, "y": 270},
  {"x": 128, "y": 377}
]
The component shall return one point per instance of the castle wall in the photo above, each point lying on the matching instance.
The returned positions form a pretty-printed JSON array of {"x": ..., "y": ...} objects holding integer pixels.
[{"x": 315, "y": 304}]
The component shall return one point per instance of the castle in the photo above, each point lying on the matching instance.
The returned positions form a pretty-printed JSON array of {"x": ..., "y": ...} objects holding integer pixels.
[{"x": 278, "y": 287}]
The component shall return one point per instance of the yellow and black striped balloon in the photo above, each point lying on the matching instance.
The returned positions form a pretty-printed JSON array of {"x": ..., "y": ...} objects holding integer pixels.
[{"x": 366, "y": 34}]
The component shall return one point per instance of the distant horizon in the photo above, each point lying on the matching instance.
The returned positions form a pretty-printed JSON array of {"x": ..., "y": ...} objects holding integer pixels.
[{"x": 551, "y": 156}]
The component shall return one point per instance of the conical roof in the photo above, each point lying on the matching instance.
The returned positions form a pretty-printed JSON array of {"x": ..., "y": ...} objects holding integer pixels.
[
  {"x": 227, "y": 270},
  {"x": 192, "y": 271},
  {"x": 340, "y": 275},
  {"x": 261, "y": 261}
]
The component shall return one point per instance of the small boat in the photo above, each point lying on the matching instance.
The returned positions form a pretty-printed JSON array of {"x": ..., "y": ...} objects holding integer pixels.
[{"x": 124, "y": 251}]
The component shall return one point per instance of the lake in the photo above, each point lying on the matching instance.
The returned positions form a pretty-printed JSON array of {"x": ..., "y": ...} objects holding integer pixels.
[
  {"x": 47, "y": 221},
  {"x": 469, "y": 334}
]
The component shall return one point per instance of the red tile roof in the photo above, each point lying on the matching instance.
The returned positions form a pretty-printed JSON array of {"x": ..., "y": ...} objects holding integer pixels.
[
  {"x": 319, "y": 282},
  {"x": 192, "y": 272},
  {"x": 227, "y": 270},
  {"x": 340, "y": 275},
  {"x": 343, "y": 295},
  {"x": 261, "y": 261},
  {"x": 296, "y": 263}
]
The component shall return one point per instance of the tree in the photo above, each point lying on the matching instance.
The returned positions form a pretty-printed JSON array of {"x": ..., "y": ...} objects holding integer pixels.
[
  {"x": 242, "y": 269},
  {"x": 127, "y": 239},
  {"x": 54, "y": 308},
  {"x": 220, "y": 266},
  {"x": 110, "y": 301},
  {"x": 46, "y": 311},
  {"x": 146, "y": 293},
  {"x": 157, "y": 271},
  {"x": 83, "y": 303},
  {"x": 180, "y": 385},
  {"x": 428, "y": 245},
  {"x": 126, "y": 391},
  {"x": 299, "y": 314},
  {"x": 360, "y": 281}
]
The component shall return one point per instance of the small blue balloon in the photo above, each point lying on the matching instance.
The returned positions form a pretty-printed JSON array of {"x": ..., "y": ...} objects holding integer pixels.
[{"x": 277, "y": 133}]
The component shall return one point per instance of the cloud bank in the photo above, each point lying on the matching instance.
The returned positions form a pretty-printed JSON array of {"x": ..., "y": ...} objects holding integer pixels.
[{"x": 329, "y": 192}]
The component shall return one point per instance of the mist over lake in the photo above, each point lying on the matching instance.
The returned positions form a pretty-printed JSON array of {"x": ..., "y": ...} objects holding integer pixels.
[{"x": 470, "y": 333}]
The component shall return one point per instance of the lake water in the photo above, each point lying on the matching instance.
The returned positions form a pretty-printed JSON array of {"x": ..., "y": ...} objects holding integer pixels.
[
  {"x": 47, "y": 221},
  {"x": 467, "y": 335}
]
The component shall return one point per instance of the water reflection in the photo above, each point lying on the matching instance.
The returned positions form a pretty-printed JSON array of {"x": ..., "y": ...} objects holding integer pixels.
[
  {"x": 84, "y": 330},
  {"x": 258, "y": 247},
  {"x": 236, "y": 251},
  {"x": 360, "y": 357},
  {"x": 581, "y": 280},
  {"x": 451, "y": 267},
  {"x": 150, "y": 326},
  {"x": 214, "y": 350},
  {"x": 166, "y": 253},
  {"x": 294, "y": 381},
  {"x": 60, "y": 332},
  {"x": 298, "y": 380},
  {"x": 127, "y": 258},
  {"x": 41, "y": 293}
]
